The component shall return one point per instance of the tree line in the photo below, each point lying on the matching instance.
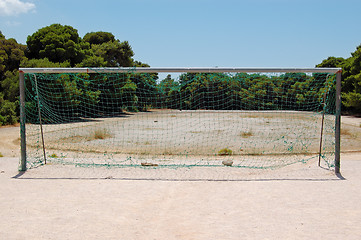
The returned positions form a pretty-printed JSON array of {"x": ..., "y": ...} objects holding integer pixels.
[
  {"x": 74, "y": 96},
  {"x": 61, "y": 46},
  {"x": 55, "y": 46},
  {"x": 351, "y": 79}
]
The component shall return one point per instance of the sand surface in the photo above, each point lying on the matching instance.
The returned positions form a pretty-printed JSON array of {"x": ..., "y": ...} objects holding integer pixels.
[
  {"x": 257, "y": 139},
  {"x": 59, "y": 203}
]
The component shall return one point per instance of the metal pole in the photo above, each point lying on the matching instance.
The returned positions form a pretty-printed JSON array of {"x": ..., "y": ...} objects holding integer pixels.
[
  {"x": 178, "y": 69},
  {"x": 338, "y": 123},
  {"x": 22, "y": 122},
  {"x": 323, "y": 120},
  {"x": 39, "y": 112}
]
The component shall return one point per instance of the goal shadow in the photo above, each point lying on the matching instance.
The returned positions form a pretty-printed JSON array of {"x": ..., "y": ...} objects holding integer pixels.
[{"x": 297, "y": 172}]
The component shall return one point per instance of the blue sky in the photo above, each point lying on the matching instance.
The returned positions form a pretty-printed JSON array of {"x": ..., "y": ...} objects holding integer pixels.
[{"x": 203, "y": 33}]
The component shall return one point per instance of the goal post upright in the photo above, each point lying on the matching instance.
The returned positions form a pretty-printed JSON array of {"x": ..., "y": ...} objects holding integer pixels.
[
  {"x": 338, "y": 123},
  {"x": 22, "y": 122}
]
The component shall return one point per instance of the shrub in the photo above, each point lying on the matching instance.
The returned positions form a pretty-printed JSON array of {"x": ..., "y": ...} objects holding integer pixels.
[
  {"x": 101, "y": 134},
  {"x": 225, "y": 152},
  {"x": 8, "y": 113},
  {"x": 246, "y": 134}
]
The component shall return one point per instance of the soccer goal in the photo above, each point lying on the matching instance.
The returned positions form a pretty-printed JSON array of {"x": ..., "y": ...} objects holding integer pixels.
[{"x": 180, "y": 117}]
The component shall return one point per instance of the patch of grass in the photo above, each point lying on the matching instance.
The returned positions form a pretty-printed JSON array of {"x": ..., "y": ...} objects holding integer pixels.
[
  {"x": 353, "y": 133},
  {"x": 144, "y": 153},
  {"x": 100, "y": 134},
  {"x": 17, "y": 141},
  {"x": 195, "y": 132},
  {"x": 72, "y": 139},
  {"x": 167, "y": 152},
  {"x": 141, "y": 143},
  {"x": 1, "y": 155},
  {"x": 53, "y": 155},
  {"x": 249, "y": 116},
  {"x": 246, "y": 134},
  {"x": 346, "y": 132},
  {"x": 225, "y": 152}
]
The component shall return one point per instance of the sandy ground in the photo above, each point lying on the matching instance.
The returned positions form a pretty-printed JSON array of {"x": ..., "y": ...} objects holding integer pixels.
[
  {"x": 299, "y": 205},
  {"x": 257, "y": 139}
]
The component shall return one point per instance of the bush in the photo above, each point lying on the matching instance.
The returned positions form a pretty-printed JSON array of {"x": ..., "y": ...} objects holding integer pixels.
[
  {"x": 100, "y": 134},
  {"x": 225, "y": 152},
  {"x": 8, "y": 114}
]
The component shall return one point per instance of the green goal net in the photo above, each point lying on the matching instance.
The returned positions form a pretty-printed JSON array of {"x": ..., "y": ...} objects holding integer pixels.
[{"x": 180, "y": 117}]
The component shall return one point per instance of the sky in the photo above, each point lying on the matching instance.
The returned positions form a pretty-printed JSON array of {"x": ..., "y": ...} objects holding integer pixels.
[{"x": 203, "y": 33}]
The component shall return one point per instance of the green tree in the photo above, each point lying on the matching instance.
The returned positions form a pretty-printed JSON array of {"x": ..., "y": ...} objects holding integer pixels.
[
  {"x": 44, "y": 63},
  {"x": 208, "y": 91},
  {"x": 10, "y": 85},
  {"x": 92, "y": 61},
  {"x": 58, "y": 43},
  {"x": 60, "y": 46},
  {"x": 106, "y": 51},
  {"x": 11, "y": 55},
  {"x": 351, "y": 78},
  {"x": 169, "y": 93},
  {"x": 8, "y": 111},
  {"x": 331, "y": 62},
  {"x": 116, "y": 53},
  {"x": 98, "y": 37},
  {"x": 69, "y": 95}
]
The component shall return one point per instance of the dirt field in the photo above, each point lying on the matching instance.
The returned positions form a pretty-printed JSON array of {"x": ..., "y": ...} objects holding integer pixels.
[
  {"x": 192, "y": 138},
  {"x": 44, "y": 203}
]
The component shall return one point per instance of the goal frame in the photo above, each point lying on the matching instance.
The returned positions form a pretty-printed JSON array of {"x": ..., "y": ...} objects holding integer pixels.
[{"x": 23, "y": 71}]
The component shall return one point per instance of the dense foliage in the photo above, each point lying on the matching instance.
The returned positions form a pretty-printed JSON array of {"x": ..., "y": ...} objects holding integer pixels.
[
  {"x": 61, "y": 46},
  {"x": 351, "y": 78},
  {"x": 56, "y": 46},
  {"x": 73, "y": 97},
  {"x": 11, "y": 54},
  {"x": 290, "y": 91}
]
